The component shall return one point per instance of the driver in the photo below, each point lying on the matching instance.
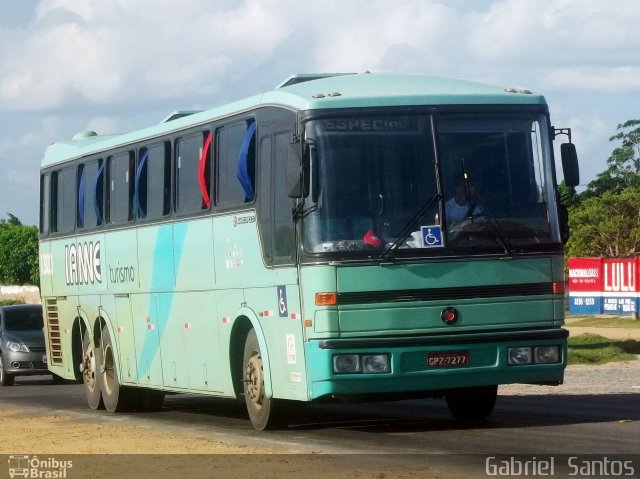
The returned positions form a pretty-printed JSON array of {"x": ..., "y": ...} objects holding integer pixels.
[{"x": 463, "y": 204}]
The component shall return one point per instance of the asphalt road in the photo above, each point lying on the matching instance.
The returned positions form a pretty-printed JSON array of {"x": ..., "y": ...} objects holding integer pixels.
[{"x": 553, "y": 423}]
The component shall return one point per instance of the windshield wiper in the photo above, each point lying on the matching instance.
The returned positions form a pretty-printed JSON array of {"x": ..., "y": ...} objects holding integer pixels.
[
  {"x": 410, "y": 226},
  {"x": 299, "y": 211},
  {"x": 496, "y": 227}
]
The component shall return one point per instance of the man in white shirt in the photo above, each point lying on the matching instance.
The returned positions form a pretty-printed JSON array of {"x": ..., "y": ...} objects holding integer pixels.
[{"x": 461, "y": 205}]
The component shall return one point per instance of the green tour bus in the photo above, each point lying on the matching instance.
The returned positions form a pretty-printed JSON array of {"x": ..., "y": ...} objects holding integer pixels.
[{"x": 343, "y": 236}]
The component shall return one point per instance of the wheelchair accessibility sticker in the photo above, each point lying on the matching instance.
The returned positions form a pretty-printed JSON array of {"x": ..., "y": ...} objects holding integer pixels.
[
  {"x": 431, "y": 236},
  {"x": 283, "y": 312}
]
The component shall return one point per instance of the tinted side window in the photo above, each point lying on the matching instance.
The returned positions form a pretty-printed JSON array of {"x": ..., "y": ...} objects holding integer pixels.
[
  {"x": 283, "y": 240},
  {"x": 120, "y": 180},
  {"x": 88, "y": 214},
  {"x": 264, "y": 198},
  {"x": 193, "y": 172},
  {"x": 45, "y": 202},
  {"x": 63, "y": 207},
  {"x": 153, "y": 180},
  {"x": 235, "y": 163}
]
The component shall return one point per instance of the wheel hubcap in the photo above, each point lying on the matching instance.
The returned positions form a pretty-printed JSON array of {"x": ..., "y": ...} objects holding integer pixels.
[
  {"x": 109, "y": 369},
  {"x": 89, "y": 372},
  {"x": 253, "y": 380}
]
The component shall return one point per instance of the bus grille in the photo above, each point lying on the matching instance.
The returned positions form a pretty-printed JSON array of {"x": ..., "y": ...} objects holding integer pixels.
[
  {"x": 53, "y": 325},
  {"x": 445, "y": 294}
]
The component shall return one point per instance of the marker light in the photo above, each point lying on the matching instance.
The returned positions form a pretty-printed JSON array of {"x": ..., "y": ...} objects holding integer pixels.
[{"x": 326, "y": 299}]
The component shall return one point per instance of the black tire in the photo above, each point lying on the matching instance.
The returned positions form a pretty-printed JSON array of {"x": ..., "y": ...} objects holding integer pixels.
[
  {"x": 116, "y": 397},
  {"x": 472, "y": 404},
  {"x": 265, "y": 413},
  {"x": 91, "y": 361},
  {"x": 6, "y": 379}
]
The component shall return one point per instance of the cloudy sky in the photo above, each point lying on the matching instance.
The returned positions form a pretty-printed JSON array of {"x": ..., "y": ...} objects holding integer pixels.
[{"x": 119, "y": 65}]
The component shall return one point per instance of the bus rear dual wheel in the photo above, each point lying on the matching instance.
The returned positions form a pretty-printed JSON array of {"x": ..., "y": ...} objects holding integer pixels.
[{"x": 102, "y": 385}]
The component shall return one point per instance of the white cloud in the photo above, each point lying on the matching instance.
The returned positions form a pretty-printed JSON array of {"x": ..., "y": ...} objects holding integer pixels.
[
  {"x": 130, "y": 62},
  {"x": 107, "y": 52},
  {"x": 613, "y": 80}
]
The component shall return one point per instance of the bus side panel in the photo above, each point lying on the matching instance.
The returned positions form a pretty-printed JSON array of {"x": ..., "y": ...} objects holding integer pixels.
[
  {"x": 197, "y": 329},
  {"x": 193, "y": 255},
  {"x": 282, "y": 326},
  {"x": 121, "y": 265},
  {"x": 46, "y": 268},
  {"x": 145, "y": 328},
  {"x": 228, "y": 302},
  {"x": 67, "y": 313},
  {"x": 65, "y": 263},
  {"x": 155, "y": 258},
  {"x": 239, "y": 264},
  {"x": 173, "y": 346},
  {"x": 125, "y": 337}
]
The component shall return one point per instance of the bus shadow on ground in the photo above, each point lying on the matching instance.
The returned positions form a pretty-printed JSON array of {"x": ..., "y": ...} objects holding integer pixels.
[
  {"x": 510, "y": 412},
  {"x": 428, "y": 414}
]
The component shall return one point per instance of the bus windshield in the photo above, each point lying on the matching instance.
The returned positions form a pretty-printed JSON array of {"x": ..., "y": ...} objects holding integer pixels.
[{"x": 377, "y": 182}]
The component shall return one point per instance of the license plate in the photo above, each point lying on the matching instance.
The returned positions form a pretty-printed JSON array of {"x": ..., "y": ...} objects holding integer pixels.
[{"x": 449, "y": 359}]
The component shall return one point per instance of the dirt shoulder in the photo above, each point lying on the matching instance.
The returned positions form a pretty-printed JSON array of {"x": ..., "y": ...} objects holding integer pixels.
[
  {"x": 65, "y": 434},
  {"x": 108, "y": 449}
]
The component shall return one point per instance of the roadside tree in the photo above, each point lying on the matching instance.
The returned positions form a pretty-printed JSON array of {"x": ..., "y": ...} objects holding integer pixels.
[{"x": 18, "y": 252}]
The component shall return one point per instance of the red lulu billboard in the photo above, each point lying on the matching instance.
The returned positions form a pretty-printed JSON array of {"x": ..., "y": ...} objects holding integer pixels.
[{"x": 604, "y": 286}]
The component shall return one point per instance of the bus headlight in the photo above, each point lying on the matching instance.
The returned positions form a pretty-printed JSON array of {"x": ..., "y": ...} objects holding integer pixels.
[
  {"x": 346, "y": 363},
  {"x": 520, "y": 355},
  {"x": 546, "y": 354},
  {"x": 375, "y": 363}
]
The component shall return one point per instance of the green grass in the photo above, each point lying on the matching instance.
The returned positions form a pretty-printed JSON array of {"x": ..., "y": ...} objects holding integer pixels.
[
  {"x": 594, "y": 349},
  {"x": 603, "y": 322},
  {"x": 9, "y": 302}
]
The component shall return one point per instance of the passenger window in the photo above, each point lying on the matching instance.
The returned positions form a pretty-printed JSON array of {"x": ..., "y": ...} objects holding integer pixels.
[
  {"x": 152, "y": 183},
  {"x": 193, "y": 172},
  {"x": 236, "y": 163},
  {"x": 120, "y": 170},
  {"x": 87, "y": 216},
  {"x": 63, "y": 195},
  {"x": 45, "y": 202},
  {"x": 283, "y": 244}
]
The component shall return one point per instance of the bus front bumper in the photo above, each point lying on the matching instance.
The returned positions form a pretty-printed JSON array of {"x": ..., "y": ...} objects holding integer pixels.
[{"x": 432, "y": 364}]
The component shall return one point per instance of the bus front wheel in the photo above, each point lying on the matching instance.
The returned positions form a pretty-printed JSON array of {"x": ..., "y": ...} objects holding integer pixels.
[
  {"x": 263, "y": 411},
  {"x": 472, "y": 404}
]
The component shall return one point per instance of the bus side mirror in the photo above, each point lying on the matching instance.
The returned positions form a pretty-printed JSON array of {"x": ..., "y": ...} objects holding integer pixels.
[
  {"x": 294, "y": 173},
  {"x": 570, "y": 167}
]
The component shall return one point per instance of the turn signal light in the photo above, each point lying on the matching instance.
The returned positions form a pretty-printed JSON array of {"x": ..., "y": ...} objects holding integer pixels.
[{"x": 326, "y": 299}]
